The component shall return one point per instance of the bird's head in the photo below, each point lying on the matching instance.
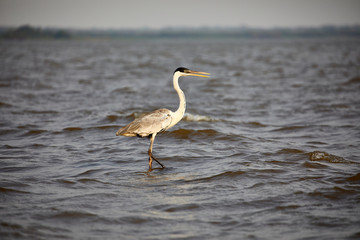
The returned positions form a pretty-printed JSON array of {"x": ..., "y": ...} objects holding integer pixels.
[{"x": 187, "y": 72}]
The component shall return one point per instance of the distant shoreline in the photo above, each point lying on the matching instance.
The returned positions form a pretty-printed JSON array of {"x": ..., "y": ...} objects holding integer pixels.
[{"x": 31, "y": 32}]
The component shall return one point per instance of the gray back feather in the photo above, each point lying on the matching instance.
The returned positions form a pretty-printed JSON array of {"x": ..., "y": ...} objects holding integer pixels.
[{"x": 153, "y": 122}]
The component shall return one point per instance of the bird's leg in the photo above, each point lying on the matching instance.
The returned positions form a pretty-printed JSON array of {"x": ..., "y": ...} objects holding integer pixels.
[
  {"x": 150, "y": 151},
  {"x": 151, "y": 157},
  {"x": 150, "y": 162}
]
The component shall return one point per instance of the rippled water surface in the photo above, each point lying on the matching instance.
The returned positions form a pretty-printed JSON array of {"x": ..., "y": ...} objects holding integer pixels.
[{"x": 268, "y": 149}]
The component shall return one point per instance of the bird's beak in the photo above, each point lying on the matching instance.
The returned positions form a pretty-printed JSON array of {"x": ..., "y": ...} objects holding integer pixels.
[{"x": 198, "y": 74}]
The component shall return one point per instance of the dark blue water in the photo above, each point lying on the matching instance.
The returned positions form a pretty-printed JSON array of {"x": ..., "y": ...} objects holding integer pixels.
[{"x": 268, "y": 148}]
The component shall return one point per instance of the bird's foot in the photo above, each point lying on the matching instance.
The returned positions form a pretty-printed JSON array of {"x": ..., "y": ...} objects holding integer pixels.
[{"x": 151, "y": 157}]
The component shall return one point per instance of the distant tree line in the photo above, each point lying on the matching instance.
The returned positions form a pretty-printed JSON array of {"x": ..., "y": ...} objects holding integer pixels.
[{"x": 29, "y": 32}]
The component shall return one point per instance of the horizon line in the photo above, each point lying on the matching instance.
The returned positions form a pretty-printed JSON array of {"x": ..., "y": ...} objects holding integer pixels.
[{"x": 244, "y": 26}]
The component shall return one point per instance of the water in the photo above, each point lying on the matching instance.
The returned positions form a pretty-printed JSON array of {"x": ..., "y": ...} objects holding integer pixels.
[{"x": 269, "y": 148}]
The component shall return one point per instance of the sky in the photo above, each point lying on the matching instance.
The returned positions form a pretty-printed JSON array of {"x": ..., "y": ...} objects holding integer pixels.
[{"x": 181, "y": 13}]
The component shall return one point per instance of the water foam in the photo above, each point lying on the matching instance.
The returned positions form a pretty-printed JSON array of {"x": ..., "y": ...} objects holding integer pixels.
[{"x": 197, "y": 118}]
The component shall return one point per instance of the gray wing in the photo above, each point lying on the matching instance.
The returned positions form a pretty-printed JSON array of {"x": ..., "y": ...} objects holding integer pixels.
[{"x": 154, "y": 122}]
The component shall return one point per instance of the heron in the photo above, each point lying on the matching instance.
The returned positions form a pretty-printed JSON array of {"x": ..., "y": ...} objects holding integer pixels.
[{"x": 160, "y": 120}]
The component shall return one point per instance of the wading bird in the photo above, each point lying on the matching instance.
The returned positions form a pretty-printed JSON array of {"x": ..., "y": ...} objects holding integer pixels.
[{"x": 160, "y": 120}]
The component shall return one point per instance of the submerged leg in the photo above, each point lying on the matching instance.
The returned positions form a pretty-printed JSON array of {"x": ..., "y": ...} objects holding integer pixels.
[{"x": 151, "y": 157}]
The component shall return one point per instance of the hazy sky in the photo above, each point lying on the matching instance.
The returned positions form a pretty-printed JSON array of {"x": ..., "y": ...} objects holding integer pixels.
[{"x": 169, "y": 13}]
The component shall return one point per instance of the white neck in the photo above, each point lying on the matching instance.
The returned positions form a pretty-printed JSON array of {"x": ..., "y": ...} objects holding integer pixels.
[{"x": 178, "y": 115}]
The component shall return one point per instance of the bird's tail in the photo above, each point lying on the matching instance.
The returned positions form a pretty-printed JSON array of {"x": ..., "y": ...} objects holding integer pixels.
[
  {"x": 124, "y": 132},
  {"x": 121, "y": 131}
]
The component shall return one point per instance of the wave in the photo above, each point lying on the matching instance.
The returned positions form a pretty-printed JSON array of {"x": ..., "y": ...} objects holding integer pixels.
[
  {"x": 77, "y": 129},
  {"x": 41, "y": 112},
  {"x": 354, "y": 178},
  {"x": 352, "y": 81},
  {"x": 290, "y": 151},
  {"x": 334, "y": 193},
  {"x": 73, "y": 215},
  {"x": 197, "y": 118},
  {"x": 182, "y": 207},
  {"x": 34, "y": 132},
  {"x": 10, "y": 190},
  {"x": 228, "y": 174},
  {"x": 289, "y": 128},
  {"x": 4, "y": 132},
  {"x": 188, "y": 133},
  {"x": 111, "y": 118},
  {"x": 255, "y": 124},
  {"x": 4, "y": 104},
  {"x": 104, "y": 127},
  {"x": 123, "y": 90},
  {"x": 72, "y": 129}
]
